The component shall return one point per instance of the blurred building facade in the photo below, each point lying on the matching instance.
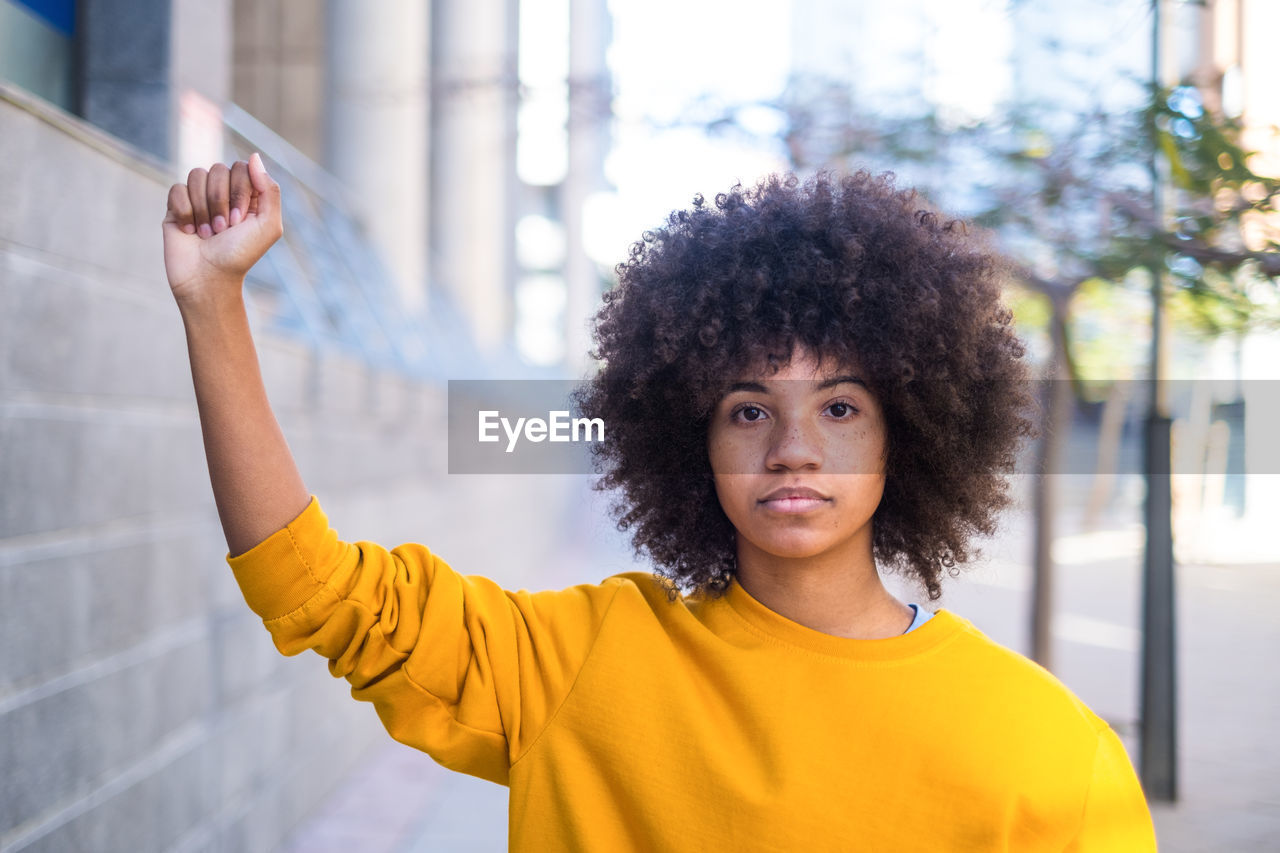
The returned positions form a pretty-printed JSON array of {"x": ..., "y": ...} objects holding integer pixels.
[
  {"x": 421, "y": 110},
  {"x": 1223, "y": 48},
  {"x": 1233, "y": 62},
  {"x": 141, "y": 705}
]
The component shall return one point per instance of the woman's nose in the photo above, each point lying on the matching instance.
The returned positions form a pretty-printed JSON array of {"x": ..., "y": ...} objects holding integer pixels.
[{"x": 794, "y": 444}]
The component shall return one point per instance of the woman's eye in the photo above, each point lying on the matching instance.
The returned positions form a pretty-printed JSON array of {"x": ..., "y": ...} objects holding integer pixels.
[
  {"x": 750, "y": 413},
  {"x": 840, "y": 410}
]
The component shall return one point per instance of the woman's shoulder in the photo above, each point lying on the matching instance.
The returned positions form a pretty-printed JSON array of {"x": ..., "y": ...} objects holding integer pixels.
[{"x": 985, "y": 672}]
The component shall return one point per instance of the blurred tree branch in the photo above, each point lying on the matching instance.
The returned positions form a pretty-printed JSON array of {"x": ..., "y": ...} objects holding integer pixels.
[{"x": 1067, "y": 196}]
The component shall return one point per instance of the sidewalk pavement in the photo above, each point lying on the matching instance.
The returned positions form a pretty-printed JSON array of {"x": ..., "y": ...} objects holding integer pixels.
[{"x": 400, "y": 801}]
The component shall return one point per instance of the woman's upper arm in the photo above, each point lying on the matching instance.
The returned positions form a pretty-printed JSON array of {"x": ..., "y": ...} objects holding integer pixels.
[
  {"x": 1116, "y": 816},
  {"x": 455, "y": 665}
]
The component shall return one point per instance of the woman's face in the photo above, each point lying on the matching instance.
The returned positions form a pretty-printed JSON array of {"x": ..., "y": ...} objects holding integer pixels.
[{"x": 798, "y": 458}]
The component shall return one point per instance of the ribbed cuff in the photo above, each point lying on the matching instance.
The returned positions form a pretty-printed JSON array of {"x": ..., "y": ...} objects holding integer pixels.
[{"x": 281, "y": 573}]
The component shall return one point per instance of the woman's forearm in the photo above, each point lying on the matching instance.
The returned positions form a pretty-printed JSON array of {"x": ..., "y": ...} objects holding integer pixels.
[{"x": 256, "y": 483}]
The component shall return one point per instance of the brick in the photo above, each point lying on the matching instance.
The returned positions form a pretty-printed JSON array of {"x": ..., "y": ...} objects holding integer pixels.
[
  {"x": 63, "y": 200},
  {"x": 95, "y": 604},
  {"x": 34, "y": 653},
  {"x": 251, "y": 741},
  {"x": 265, "y": 818},
  {"x": 131, "y": 248},
  {"x": 50, "y": 757},
  {"x": 183, "y": 570},
  {"x": 181, "y": 686},
  {"x": 104, "y": 488},
  {"x": 344, "y": 387},
  {"x": 135, "y": 587},
  {"x": 246, "y": 657},
  {"x": 44, "y": 350},
  {"x": 288, "y": 372},
  {"x": 117, "y": 585},
  {"x": 321, "y": 710},
  {"x": 181, "y": 795},
  {"x": 77, "y": 337},
  {"x": 71, "y": 470},
  {"x": 69, "y": 186},
  {"x": 224, "y": 594},
  {"x": 137, "y": 349},
  {"x": 65, "y": 745},
  {"x": 150, "y": 815},
  {"x": 177, "y": 477},
  {"x": 41, "y": 461},
  {"x": 18, "y": 146}
]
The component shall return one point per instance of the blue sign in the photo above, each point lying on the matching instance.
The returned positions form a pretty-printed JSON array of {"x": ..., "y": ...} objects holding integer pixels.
[{"x": 59, "y": 14}]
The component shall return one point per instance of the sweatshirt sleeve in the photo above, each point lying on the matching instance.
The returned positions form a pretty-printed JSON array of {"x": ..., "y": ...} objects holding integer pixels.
[
  {"x": 1116, "y": 816},
  {"x": 454, "y": 665}
]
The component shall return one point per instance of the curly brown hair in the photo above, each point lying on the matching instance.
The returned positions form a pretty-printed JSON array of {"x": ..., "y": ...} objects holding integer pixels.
[{"x": 853, "y": 269}]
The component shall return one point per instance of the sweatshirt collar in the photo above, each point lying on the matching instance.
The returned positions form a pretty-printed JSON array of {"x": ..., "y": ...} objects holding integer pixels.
[{"x": 943, "y": 626}]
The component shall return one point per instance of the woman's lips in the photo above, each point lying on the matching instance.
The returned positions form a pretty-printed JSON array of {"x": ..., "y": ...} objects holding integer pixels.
[{"x": 793, "y": 504}]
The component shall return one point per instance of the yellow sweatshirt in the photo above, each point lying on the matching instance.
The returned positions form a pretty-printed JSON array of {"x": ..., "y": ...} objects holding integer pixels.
[{"x": 624, "y": 721}]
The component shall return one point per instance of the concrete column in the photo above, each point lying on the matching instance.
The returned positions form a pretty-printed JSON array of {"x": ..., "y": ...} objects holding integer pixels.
[
  {"x": 202, "y": 34},
  {"x": 473, "y": 148},
  {"x": 124, "y": 82},
  {"x": 138, "y": 57},
  {"x": 376, "y": 127},
  {"x": 590, "y": 107}
]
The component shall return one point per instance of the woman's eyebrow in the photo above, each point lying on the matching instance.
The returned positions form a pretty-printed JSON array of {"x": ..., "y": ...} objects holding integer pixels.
[
  {"x": 753, "y": 387},
  {"x": 840, "y": 380}
]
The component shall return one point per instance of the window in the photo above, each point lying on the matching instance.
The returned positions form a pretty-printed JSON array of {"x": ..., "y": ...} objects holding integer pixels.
[{"x": 37, "y": 48}]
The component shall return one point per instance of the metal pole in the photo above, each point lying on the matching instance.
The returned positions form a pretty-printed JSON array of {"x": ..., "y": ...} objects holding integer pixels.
[{"x": 1158, "y": 763}]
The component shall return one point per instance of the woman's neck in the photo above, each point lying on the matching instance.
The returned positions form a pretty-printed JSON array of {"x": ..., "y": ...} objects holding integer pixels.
[{"x": 835, "y": 595}]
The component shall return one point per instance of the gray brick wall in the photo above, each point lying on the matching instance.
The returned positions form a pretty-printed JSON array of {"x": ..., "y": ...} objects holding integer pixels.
[{"x": 142, "y": 706}]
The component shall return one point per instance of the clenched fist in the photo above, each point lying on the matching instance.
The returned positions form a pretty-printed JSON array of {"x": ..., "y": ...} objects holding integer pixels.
[{"x": 218, "y": 224}]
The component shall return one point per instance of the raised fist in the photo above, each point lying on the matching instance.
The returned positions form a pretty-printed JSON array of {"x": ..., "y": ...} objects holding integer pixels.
[{"x": 218, "y": 224}]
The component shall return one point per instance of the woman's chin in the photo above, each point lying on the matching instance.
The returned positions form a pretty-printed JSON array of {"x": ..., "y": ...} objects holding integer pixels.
[{"x": 792, "y": 547}]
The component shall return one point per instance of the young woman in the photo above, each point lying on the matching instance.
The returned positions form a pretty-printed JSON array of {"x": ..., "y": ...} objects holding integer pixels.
[{"x": 804, "y": 385}]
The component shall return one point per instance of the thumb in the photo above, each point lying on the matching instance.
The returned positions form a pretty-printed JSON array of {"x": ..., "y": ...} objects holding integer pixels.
[{"x": 268, "y": 190}]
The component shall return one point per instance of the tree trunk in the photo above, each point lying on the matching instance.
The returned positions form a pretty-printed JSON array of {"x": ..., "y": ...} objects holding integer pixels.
[{"x": 1056, "y": 399}]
